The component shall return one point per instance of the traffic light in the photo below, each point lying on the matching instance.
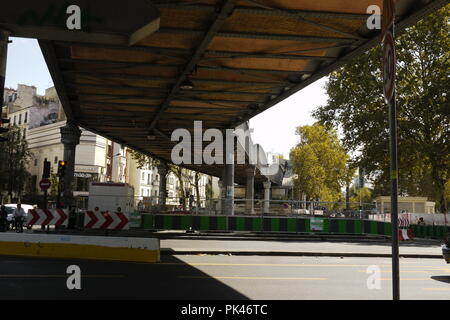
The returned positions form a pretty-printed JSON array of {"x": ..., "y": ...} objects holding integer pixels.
[
  {"x": 3, "y": 130},
  {"x": 46, "y": 173},
  {"x": 62, "y": 165}
]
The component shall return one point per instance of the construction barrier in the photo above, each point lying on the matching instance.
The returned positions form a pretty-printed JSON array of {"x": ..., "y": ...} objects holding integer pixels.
[
  {"x": 106, "y": 220},
  {"x": 80, "y": 247},
  {"x": 427, "y": 231},
  {"x": 265, "y": 224},
  {"x": 405, "y": 234},
  {"x": 44, "y": 217}
]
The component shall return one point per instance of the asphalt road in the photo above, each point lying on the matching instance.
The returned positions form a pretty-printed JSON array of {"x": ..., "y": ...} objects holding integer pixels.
[
  {"x": 223, "y": 277},
  {"x": 417, "y": 247}
]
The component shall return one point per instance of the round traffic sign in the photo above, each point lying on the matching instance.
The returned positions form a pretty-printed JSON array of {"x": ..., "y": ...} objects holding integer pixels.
[
  {"x": 45, "y": 184},
  {"x": 389, "y": 62}
]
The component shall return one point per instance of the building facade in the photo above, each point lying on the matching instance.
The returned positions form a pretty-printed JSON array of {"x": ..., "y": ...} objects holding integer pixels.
[
  {"x": 97, "y": 158},
  {"x": 408, "y": 204}
]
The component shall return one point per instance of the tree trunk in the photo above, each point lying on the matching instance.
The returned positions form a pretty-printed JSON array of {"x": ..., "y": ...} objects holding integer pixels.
[
  {"x": 197, "y": 188},
  {"x": 440, "y": 189}
]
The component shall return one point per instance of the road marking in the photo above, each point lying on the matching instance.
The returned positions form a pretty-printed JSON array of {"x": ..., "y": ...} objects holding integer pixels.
[
  {"x": 403, "y": 271},
  {"x": 249, "y": 278},
  {"x": 261, "y": 264},
  {"x": 56, "y": 276},
  {"x": 436, "y": 289},
  {"x": 409, "y": 279}
]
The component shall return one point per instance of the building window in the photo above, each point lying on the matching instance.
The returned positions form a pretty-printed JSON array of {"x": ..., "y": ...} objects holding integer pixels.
[
  {"x": 26, "y": 117},
  {"x": 143, "y": 176},
  {"x": 24, "y": 133},
  {"x": 149, "y": 180},
  {"x": 142, "y": 192},
  {"x": 56, "y": 159},
  {"x": 148, "y": 192},
  {"x": 20, "y": 118},
  {"x": 35, "y": 162},
  {"x": 14, "y": 123}
]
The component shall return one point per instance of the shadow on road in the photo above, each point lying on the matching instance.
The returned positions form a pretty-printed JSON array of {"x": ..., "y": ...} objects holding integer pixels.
[
  {"x": 445, "y": 279},
  {"x": 39, "y": 278}
]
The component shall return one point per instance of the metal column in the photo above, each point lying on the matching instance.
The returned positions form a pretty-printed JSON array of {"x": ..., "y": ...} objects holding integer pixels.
[
  {"x": 250, "y": 190},
  {"x": 70, "y": 137},
  {"x": 162, "y": 171}
]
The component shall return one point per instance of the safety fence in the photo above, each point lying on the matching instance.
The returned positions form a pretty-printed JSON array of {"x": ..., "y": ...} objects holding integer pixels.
[
  {"x": 264, "y": 224},
  {"x": 433, "y": 232},
  {"x": 431, "y": 219}
]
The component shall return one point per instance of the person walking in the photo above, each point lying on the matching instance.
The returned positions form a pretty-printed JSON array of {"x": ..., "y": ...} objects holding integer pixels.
[{"x": 19, "y": 216}]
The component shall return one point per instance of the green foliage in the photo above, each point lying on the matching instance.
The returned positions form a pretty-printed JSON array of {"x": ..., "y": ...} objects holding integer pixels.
[
  {"x": 54, "y": 184},
  {"x": 183, "y": 175},
  {"x": 357, "y": 107},
  {"x": 361, "y": 195},
  {"x": 14, "y": 160},
  {"x": 320, "y": 164},
  {"x": 143, "y": 160}
]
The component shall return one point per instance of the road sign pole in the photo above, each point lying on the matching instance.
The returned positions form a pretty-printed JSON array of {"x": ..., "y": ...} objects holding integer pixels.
[
  {"x": 45, "y": 199},
  {"x": 394, "y": 198},
  {"x": 58, "y": 197},
  {"x": 394, "y": 182}
]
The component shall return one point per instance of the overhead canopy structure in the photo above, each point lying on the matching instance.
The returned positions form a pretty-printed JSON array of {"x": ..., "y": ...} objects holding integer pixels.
[{"x": 238, "y": 57}]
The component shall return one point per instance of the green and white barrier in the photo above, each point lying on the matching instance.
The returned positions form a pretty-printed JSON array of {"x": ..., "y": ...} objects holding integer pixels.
[{"x": 265, "y": 224}]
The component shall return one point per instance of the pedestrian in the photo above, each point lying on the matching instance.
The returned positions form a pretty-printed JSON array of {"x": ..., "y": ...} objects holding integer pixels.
[
  {"x": 191, "y": 201},
  {"x": 3, "y": 218},
  {"x": 421, "y": 221},
  {"x": 19, "y": 215}
]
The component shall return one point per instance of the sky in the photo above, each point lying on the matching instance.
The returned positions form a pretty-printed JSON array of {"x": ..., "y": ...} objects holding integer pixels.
[
  {"x": 274, "y": 129},
  {"x": 26, "y": 65}
]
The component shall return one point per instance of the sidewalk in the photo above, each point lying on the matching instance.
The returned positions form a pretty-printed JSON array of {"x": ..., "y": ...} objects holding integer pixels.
[
  {"x": 181, "y": 242},
  {"x": 413, "y": 249}
]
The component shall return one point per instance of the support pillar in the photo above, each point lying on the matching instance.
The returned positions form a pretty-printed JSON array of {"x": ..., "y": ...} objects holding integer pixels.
[
  {"x": 267, "y": 186},
  {"x": 162, "y": 171},
  {"x": 221, "y": 196},
  {"x": 250, "y": 190},
  {"x": 70, "y": 138},
  {"x": 4, "y": 35},
  {"x": 228, "y": 177}
]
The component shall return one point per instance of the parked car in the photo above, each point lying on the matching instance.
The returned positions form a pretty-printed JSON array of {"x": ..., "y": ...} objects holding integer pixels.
[{"x": 446, "y": 249}]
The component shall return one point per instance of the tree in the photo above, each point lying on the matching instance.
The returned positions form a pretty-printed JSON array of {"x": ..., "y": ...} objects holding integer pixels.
[
  {"x": 361, "y": 196},
  {"x": 183, "y": 175},
  {"x": 14, "y": 160},
  {"x": 356, "y": 105},
  {"x": 320, "y": 164}
]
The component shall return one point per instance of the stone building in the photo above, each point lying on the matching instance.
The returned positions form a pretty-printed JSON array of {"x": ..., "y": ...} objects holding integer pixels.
[{"x": 97, "y": 158}]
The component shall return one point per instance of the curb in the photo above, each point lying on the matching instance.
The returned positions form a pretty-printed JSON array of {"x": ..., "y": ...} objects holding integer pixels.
[{"x": 165, "y": 251}]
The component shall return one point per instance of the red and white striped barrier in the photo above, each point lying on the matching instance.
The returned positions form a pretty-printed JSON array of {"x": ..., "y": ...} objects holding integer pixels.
[
  {"x": 44, "y": 217},
  {"x": 403, "y": 222},
  {"x": 405, "y": 234},
  {"x": 106, "y": 220}
]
